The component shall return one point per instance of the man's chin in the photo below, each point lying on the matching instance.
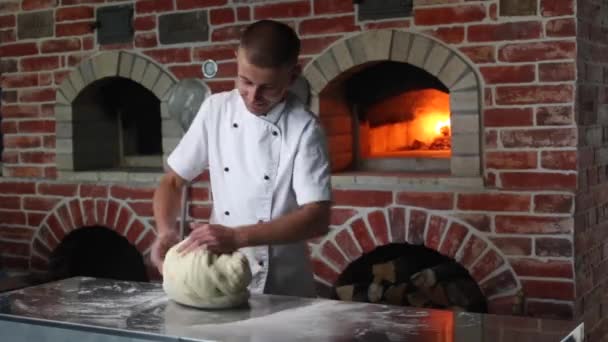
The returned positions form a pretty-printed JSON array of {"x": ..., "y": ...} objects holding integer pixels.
[{"x": 258, "y": 110}]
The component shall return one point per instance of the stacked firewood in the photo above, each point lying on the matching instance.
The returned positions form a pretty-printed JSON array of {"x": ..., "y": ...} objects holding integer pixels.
[{"x": 446, "y": 285}]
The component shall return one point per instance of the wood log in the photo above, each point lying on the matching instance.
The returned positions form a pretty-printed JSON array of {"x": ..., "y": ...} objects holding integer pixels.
[
  {"x": 417, "y": 298},
  {"x": 395, "y": 294},
  {"x": 353, "y": 292},
  {"x": 384, "y": 271},
  {"x": 375, "y": 292}
]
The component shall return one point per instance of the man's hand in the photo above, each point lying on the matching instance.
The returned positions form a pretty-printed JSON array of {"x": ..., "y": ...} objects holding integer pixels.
[
  {"x": 213, "y": 237},
  {"x": 160, "y": 247}
]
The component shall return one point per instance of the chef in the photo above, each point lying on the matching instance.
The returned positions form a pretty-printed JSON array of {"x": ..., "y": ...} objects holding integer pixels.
[{"x": 268, "y": 164}]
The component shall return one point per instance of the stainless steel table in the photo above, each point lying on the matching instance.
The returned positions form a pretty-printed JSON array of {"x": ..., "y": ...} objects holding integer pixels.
[{"x": 89, "y": 309}]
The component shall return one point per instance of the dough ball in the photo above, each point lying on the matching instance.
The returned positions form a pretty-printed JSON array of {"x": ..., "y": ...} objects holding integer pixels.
[{"x": 206, "y": 280}]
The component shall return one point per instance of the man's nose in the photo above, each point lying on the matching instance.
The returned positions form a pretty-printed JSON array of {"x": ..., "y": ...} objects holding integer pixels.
[{"x": 255, "y": 93}]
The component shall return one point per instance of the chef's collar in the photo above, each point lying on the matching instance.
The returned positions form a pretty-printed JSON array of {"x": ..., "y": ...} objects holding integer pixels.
[{"x": 273, "y": 115}]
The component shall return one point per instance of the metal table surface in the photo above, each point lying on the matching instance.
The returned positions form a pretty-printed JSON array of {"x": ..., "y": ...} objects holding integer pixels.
[{"x": 90, "y": 309}]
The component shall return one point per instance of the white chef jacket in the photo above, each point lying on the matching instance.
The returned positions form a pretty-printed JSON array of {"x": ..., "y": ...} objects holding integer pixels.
[{"x": 261, "y": 167}]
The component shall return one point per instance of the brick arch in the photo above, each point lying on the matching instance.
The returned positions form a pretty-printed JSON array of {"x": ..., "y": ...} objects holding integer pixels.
[
  {"x": 450, "y": 66},
  {"x": 397, "y": 224},
  {"x": 144, "y": 71},
  {"x": 75, "y": 213}
]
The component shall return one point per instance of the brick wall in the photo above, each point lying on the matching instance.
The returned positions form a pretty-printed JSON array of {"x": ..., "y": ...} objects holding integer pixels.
[
  {"x": 513, "y": 231},
  {"x": 591, "y": 200}
]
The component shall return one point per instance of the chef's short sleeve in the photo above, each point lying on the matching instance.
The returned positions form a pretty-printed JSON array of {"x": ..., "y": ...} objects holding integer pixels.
[
  {"x": 311, "y": 172},
  {"x": 191, "y": 155}
]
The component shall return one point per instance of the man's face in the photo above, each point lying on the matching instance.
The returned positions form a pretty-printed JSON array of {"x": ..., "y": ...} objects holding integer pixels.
[{"x": 262, "y": 88}]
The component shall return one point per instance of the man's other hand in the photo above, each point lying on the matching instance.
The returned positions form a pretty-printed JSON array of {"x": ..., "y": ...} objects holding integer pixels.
[{"x": 160, "y": 247}]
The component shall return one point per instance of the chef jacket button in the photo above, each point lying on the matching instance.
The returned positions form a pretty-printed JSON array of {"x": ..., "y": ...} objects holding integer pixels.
[
  {"x": 275, "y": 133},
  {"x": 235, "y": 125},
  {"x": 226, "y": 169},
  {"x": 226, "y": 213},
  {"x": 261, "y": 263},
  {"x": 266, "y": 177}
]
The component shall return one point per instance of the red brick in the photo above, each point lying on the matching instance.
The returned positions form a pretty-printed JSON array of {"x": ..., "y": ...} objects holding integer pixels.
[
  {"x": 45, "y": 79},
  {"x": 60, "y": 76},
  {"x": 538, "y": 181},
  {"x": 60, "y": 45},
  {"x": 243, "y": 13},
  {"x": 449, "y": 35},
  {"x": 339, "y": 216},
  {"x": 328, "y": 25},
  {"x": 505, "y": 31},
  {"x": 15, "y": 262},
  {"x": 509, "y": 74},
  {"x": 29, "y": 5},
  {"x": 377, "y": 221},
  {"x": 542, "y": 268},
  {"x": 124, "y": 192},
  {"x": 167, "y": 56},
  {"x": 221, "y": 16},
  {"x": 532, "y": 225},
  {"x": 88, "y": 210},
  {"x": 24, "y": 171},
  {"x": 488, "y": 263},
  {"x": 88, "y": 43},
  {"x": 553, "y": 247},
  {"x": 8, "y": 36},
  {"x": 76, "y": 213},
  {"x": 144, "y": 23},
  {"x": 561, "y": 27},
  {"x": 9, "y": 6},
  {"x": 37, "y": 126},
  {"x": 227, "y": 33},
  {"x": 453, "y": 239},
  {"x": 416, "y": 227},
  {"x": 282, "y": 10},
  {"x": 493, "y": 12},
  {"x": 8, "y": 21},
  {"x": 504, "y": 282},
  {"x": 74, "y": 13},
  {"x": 57, "y": 189},
  {"x": 391, "y": 24},
  {"x": 555, "y": 72},
  {"x": 333, "y": 255},
  {"x": 146, "y": 242},
  {"x": 22, "y": 141},
  {"x": 546, "y": 137},
  {"x": 538, "y": 51},
  {"x": 430, "y": 200},
  {"x": 10, "y": 157},
  {"x": 50, "y": 172},
  {"x": 347, "y": 245},
  {"x": 511, "y": 160},
  {"x": 449, "y": 15},
  {"x": 16, "y": 233},
  {"x": 472, "y": 250},
  {"x": 553, "y": 203},
  {"x": 554, "y": 8},
  {"x": 362, "y": 198},
  {"x": 18, "y": 49},
  {"x": 435, "y": 231},
  {"x": 56, "y": 226},
  {"x": 505, "y": 117},
  {"x": 151, "y": 6},
  {"x": 187, "y": 71},
  {"x": 20, "y": 111},
  {"x": 37, "y": 157},
  {"x": 19, "y": 80},
  {"x": 488, "y": 97},
  {"x": 217, "y": 86},
  {"x": 190, "y": 4},
  {"x": 37, "y": 95},
  {"x": 101, "y": 208},
  {"x": 534, "y": 94},
  {"x": 145, "y": 40},
  {"x": 112, "y": 212},
  {"x": 558, "y": 160},
  {"x": 513, "y": 245},
  {"x": 124, "y": 218},
  {"x": 505, "y": 305},
  {"x": 10, "y": 202},
  {"x": 321, "y": 270},
  {"x": 73, "y": 29},
  {"x": 397, "y": 224},
  {"x": 332, "y": 6},
  {"x": 313, "y": 46},
  {"x": 480, "y": 222},
  {"x": 362, "y": 235},
  {"x": 46, "y": 236},
  {"x": 493, "y": 202},
  {"x": 226, "y": 70},
  {"x": 8, "y": 127},
  {"x": 200, "y": 212},
  {"x": 145, "y": 209},
  {"x": 92, "y": 190},
  {"x": 480, "y": 54},
  {"x": 40, "y": 203},
  {"x": 14, "y": 248},
  {"x": 491, "y": 139},
  {"x": 549, "y": 310},
  {"x": 64, "y": 215},
  {"x": 21, "y": 188},
  {"x": 548, "y": 289},
  {"x": 134, "y": 231}
]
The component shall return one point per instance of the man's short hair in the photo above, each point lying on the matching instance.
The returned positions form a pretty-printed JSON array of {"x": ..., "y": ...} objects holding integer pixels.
[{"x": 270, "y": 44}]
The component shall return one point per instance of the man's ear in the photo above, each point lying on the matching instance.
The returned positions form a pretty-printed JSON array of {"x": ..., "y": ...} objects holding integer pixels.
[{"x": 295, "y": 73}]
